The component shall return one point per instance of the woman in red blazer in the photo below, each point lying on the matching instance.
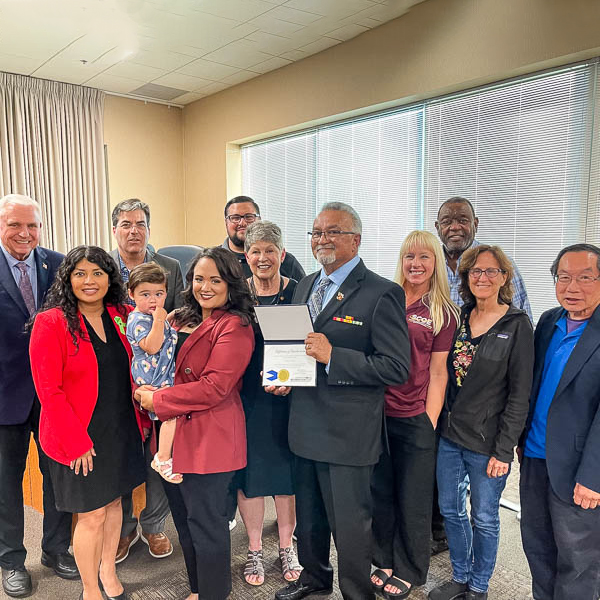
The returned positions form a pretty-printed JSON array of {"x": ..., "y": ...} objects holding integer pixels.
[
  {"x": 89, "y": 427},
  {"x": 215, "y": 343}
]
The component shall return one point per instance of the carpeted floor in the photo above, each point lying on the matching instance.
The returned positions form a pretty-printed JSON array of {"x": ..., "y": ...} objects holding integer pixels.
[{"x": 145, "y": 578}]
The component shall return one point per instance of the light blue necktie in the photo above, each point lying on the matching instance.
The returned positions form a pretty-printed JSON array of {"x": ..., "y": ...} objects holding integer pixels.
[{"x": 315, "y": 302}]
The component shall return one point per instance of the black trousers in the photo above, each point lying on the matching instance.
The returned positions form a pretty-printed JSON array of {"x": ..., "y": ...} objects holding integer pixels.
[
  {"x": 402, "y": 488},
  {"x": 438, "y": 531},
  {"x": 334, "y": 499},
  {"x": 14, "y": 447},
  {"x": 199, "y": 510},
  {"x": 560, "y": 539}
]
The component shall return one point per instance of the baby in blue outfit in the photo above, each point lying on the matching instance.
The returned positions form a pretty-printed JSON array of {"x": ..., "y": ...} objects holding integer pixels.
[{"x": 153, "y": 342}]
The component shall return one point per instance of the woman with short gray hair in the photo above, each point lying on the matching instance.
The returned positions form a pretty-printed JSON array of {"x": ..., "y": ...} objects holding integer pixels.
[{"x": 269, "y": 470}]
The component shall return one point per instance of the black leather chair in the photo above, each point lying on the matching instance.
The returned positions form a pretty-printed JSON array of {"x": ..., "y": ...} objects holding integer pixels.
[{"x": 184, "y": 254}]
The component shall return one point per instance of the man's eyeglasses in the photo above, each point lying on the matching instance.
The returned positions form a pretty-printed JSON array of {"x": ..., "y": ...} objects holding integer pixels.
[
  {"x": 583, "y": 280},
  {"x": 491, "y": 273},
  {"x": 237, "y": 219},
  {"x": 127, "y": 226},
  {"x": 315, "y": 236}
]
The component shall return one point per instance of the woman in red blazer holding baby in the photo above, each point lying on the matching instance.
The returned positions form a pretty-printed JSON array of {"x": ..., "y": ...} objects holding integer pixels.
[
  {"x": 89, "y": 427},
  {"x": 215, "y": 343}
]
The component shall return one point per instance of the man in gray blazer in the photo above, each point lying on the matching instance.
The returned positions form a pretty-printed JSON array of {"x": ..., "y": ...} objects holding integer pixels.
[
  {"x": 131, "y": 228},
  {"x": 360, "y": 343}
]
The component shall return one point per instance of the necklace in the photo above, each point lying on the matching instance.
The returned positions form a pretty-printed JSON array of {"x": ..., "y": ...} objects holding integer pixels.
[{"x": 277, "y": 298}]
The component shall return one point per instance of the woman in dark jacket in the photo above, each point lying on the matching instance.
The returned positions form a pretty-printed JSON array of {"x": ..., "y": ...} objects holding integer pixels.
[{"x": 490, "y": 371}]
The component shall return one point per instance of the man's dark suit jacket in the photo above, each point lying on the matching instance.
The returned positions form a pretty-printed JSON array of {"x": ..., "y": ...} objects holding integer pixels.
[
  {"x": 16, "y": 385},
  {"x": 340, "y": 421},
  {"x": 174, "y": 279},
  {"x": 573, "y": 428}
]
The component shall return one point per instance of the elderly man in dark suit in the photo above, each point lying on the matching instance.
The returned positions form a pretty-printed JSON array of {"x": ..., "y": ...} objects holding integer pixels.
[
  {"x": 560, "y": 449},
  {"x": 131, "y": 228},
  {"x": 361, "y": 345},
  {"x": 26, "y": 273}
]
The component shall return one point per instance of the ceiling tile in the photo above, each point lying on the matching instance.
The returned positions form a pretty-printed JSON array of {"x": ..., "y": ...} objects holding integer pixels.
[
  {"x": 134, "y": 71},
  {"x": 238, "y": 10},
  {"x": 272, "y": 44},
  {"x": 271, "y": 64},
  {"x": 275, "y": 26},
  {"x": 301, "y": 17},
  {"x": 212, "y": 88},
  {"x": 347, "y": 32},
  {"x": 181, "y": 81},
  {"x": 68, "y": 71},
  {"x": 238, "y": 77},
  {"x": 242, "y": 54},
  {"x": 294, "y": 55},
  {"x": 330, "y": 7},
  {"x": 366, "y": 22},
  {"x": 88, "y": 47},
  {"x": 319, "y": 45},
  {"x": 112, "y": 83},
  {"x": 188, "y": 97},
  {"x": 22, "y": 65},
  {"x": 167, "y": 61},
  {"x": 208, "y": 69}
]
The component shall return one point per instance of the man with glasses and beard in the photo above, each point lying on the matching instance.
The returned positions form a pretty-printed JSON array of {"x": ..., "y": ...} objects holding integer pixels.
[{"x": 239, "y": 213}]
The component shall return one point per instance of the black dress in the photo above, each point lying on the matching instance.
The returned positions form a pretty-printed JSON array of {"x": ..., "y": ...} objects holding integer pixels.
[
  {"x": 119, "y": 462},
  {"x": 269, "y": 471}
]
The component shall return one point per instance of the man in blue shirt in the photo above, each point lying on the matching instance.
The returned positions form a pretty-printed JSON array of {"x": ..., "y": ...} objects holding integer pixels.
[
  {"x": 560, "y": 449},
  {"x": 456, "y": 226}
]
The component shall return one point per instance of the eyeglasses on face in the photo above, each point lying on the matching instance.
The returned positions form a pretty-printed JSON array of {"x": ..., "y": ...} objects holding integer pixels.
[
  {"x": 330, "y": 235},
  {"x": 491, "y": 273},
  {"x": 127, "y": 226},
  {"x": 237, "y": 219},
  {"x": 582, "y": 280}
]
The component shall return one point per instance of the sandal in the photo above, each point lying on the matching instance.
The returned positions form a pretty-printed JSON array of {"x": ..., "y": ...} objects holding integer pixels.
[
  {"x": 397, "y": 583},
  {"x": 254, "y": 566},
  {"x": 289, "y": 563},
  {"x": 165, "y": 469},
  {"x": 383, "y": 576}
]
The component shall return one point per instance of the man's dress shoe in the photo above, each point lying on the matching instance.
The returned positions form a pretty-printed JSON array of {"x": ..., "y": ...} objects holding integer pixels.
[
  {"x": 297, "y": 590},
  {"x": 62, "y": 564},
  {"x": 16, "y": 582}
]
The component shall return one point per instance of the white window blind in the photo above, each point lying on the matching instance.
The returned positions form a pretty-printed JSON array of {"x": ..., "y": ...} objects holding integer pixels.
[
  {"x": 521, "y": 154},
  {"x": 525, "y": 152}
]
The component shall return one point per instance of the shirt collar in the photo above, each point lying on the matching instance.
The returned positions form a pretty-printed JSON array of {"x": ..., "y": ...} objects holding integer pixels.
[
  {"x": 12, "y": 261},
  {"x": 339, "y": 275},
  {"x": 474, "y": 244}
]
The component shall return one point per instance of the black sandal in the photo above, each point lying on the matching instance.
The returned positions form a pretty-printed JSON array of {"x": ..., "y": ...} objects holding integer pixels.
[
  {"x": 378, "y": 589},
  {"x": 398, "y": 583}
]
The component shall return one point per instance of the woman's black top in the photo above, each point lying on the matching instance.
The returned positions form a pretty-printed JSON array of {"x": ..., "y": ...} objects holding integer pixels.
[
  {"x": 269, "y": 470},
  {"x": 119, "y": 465}
]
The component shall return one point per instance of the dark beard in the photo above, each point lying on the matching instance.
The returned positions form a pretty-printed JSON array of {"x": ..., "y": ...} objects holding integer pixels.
[{"x": 236, "y": 241}]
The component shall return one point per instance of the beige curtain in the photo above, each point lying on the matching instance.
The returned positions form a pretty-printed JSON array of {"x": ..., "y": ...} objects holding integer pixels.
[{"x": 52, "y": 149}]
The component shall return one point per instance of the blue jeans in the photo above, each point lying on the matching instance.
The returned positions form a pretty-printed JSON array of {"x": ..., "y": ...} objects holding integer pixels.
[{"x": 473, "y": 549}]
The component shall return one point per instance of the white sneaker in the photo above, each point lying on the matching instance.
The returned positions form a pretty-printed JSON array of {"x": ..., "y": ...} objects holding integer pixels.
[{"x": 232, "y": 524}]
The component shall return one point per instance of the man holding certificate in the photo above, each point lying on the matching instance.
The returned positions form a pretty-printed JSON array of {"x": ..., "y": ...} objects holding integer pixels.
[{"x": 360, "y": 343}]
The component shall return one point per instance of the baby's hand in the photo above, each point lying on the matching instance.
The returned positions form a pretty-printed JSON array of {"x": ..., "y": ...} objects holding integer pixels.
[{"x": 160, "y": 314}]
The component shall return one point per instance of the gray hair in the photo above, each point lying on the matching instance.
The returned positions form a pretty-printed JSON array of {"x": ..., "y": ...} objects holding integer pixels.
[
  {"x": 343, "y": 207},
  {"x": 263, "y": 231},
  {"x": 22, "y": 201},
  {"x": 128, "y": 206}
]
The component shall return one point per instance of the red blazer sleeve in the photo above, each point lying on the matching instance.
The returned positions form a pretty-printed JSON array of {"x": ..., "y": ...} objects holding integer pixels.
[
  {"x": 229, "y": 357},
  {"x": 62, "y": 434}
]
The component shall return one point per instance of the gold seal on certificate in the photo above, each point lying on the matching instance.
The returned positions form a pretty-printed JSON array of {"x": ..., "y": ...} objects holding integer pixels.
[{"x": 284, "y": 328}]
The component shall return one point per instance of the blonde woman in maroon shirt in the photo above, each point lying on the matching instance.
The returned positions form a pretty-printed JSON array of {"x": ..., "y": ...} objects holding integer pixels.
[{"x": 403, "y": 479}]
